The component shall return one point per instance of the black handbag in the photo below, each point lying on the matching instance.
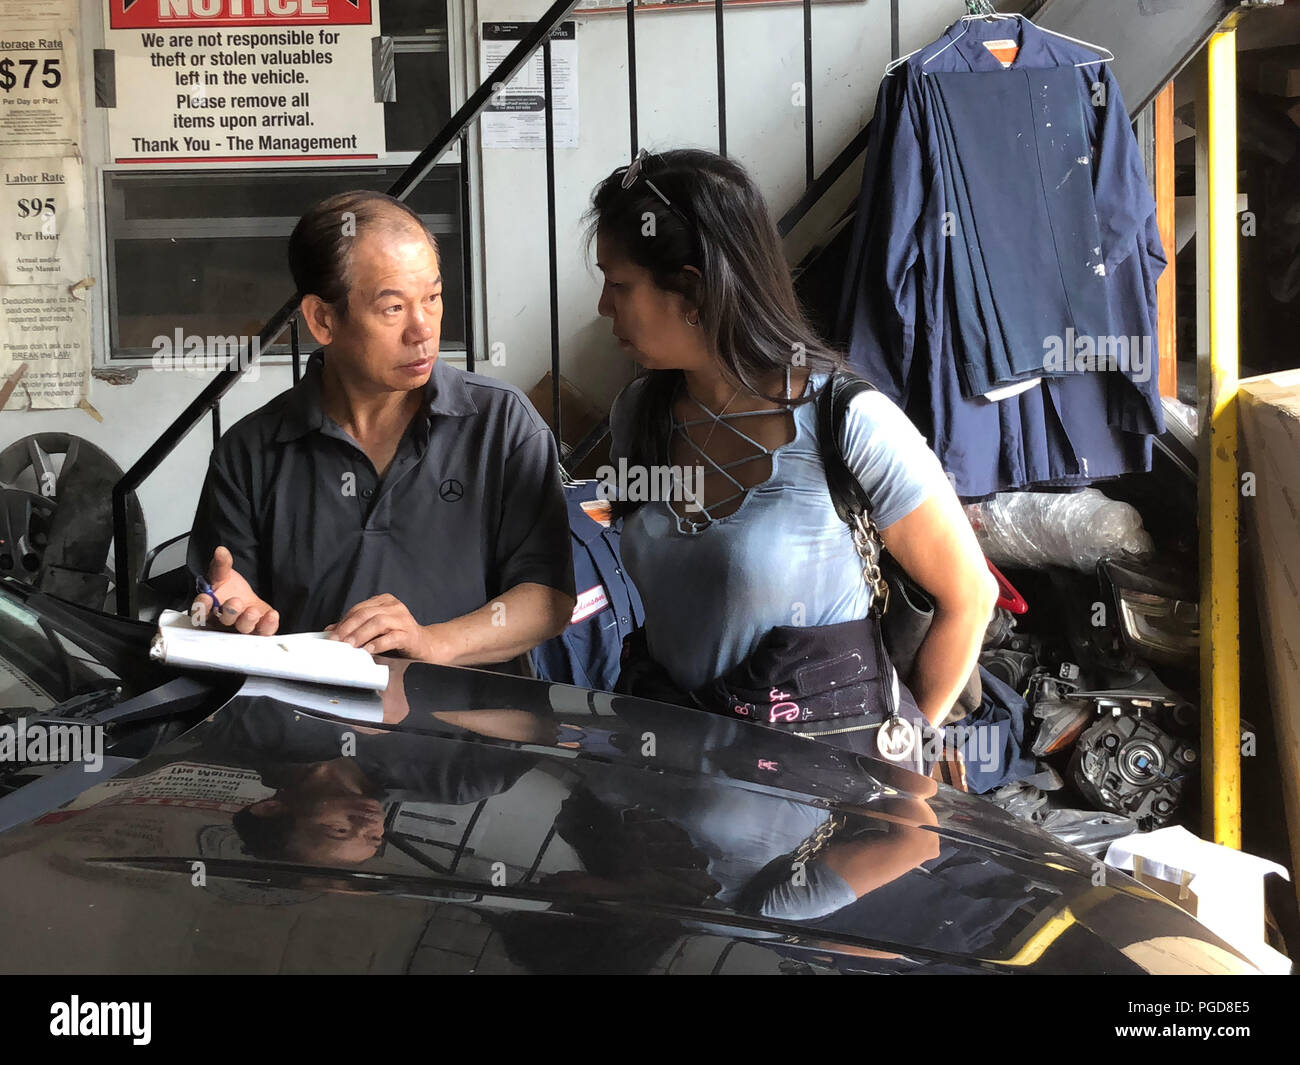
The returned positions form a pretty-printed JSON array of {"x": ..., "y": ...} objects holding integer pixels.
[{"x": 903, "y": 627}]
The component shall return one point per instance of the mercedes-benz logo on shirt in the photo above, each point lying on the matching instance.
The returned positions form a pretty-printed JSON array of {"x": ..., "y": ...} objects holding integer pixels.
[{"x": 451, "y": 490}]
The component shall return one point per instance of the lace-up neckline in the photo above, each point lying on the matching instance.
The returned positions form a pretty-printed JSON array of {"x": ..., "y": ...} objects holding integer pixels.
[{"x": 705, "y": 516}]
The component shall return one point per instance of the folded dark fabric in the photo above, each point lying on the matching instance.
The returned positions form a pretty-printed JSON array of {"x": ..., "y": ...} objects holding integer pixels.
[
  {"x": 992, "y": 739},
  {"x": 1026, "y": 249}
]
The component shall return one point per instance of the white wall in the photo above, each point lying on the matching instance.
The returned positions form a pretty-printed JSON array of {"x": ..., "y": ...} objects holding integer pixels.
[{"x": 677, "y": 107}]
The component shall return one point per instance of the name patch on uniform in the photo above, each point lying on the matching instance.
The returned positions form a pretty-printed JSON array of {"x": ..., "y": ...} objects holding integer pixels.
[{"x": 590, "y": 602}]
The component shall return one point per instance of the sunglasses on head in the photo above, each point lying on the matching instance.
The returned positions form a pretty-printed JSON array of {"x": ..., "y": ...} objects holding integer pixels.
[{"x": 633, "y": 171}]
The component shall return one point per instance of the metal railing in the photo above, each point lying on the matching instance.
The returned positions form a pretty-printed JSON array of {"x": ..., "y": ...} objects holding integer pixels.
[{"x": 208, "y": 401}]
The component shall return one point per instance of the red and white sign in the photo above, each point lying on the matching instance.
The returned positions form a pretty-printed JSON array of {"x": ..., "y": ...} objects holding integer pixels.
[
  {"x": 176, "y": 14},
  {"x": 216, "y": 81}
]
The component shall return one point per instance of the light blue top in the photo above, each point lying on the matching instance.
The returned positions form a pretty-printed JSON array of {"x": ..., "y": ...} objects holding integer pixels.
[{"x": 783, "y": 557}]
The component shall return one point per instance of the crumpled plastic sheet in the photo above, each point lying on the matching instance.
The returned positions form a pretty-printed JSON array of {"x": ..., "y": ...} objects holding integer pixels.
[
  {"x": 1035, "y": 529},
  {"x": 1091, "y": 831}
]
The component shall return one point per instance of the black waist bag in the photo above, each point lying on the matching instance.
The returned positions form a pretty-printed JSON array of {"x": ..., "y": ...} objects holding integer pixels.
[
  {"x": 800, "y": 674},
  {"x": 824, "y": 679}
]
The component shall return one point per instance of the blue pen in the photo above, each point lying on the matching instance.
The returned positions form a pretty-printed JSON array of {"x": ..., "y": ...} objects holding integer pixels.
[{"x": 202, "y": 586}]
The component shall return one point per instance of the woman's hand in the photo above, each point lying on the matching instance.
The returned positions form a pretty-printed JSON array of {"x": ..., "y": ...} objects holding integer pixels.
[{"x": 937, "y": 547}]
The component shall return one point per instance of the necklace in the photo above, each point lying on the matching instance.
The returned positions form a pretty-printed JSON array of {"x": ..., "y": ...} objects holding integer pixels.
[{"x": 717, "y": 418}]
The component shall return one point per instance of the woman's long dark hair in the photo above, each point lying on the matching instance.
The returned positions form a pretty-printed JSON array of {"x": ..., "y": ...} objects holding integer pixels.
[{"x": 719, "y": 224}]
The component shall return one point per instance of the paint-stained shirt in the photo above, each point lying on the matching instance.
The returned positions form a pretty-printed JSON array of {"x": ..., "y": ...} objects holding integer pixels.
[{"x": 898, "y": 312}]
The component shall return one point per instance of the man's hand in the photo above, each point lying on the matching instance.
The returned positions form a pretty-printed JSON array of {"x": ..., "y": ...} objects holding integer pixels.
[
  {"x": 383, "y": 625},
  {"x": 240, "y": 606}
]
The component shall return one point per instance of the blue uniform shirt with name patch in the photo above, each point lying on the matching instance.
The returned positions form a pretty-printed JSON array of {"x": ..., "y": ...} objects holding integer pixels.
[{"x": 608, "y": 609}]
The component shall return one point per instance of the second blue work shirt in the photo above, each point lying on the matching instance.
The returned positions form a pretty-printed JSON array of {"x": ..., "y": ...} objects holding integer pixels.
[{"x": 898, "y": 310}]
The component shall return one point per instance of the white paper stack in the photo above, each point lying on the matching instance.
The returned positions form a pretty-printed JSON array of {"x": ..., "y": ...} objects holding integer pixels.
[{"x": 303, "y": 656}]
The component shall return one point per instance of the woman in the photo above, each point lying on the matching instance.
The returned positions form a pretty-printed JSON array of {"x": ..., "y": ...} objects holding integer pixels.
[{"x": 700, "y": 296}]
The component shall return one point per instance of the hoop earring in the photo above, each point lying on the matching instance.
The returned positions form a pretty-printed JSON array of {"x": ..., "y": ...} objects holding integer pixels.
[{"x": 695, "y": 324}]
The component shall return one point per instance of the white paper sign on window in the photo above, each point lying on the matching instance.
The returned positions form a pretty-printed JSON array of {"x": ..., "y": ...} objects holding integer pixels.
[
  {"x": 202, "y": 81},
  {"x": 515, "y": 116}
]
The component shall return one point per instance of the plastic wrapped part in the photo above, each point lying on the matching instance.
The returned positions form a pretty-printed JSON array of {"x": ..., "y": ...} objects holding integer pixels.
[
  {"x": 1091, "y": 831},
  {"x": 1185, "y": 413},
  {"x": 1075, "y": 530},
  {"x": 1020, "y": 799}
]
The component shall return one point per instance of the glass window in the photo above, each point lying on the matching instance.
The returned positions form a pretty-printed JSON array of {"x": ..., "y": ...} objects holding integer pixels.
[
  {"x": 423, "y": 97},
  {"x": 203, "y": 251},
  {"x": 418, "y": 18}
]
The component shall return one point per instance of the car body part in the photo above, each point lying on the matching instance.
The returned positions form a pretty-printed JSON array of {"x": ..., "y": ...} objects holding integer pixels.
[
  {"x": 1127, "y": 764},
  {"x": 686, "y": 801},
  {"x": 1060, "y": 723},
  {"x": 1158, "y": 610}
]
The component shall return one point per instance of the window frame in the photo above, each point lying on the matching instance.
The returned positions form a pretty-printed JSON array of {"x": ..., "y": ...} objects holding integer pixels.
[{"x": 98, "y": 165}]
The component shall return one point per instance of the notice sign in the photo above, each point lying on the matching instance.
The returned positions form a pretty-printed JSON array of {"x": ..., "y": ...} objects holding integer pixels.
[
  {"x": 42, "y": 222},
  {"x": 45, "y": 349},
  {"x": 38, "y": 92},
  {"x": 204, "y": 81}
]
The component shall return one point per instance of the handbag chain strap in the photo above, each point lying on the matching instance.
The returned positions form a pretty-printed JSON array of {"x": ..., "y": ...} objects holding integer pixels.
[
  {"x": 851, "y": 502},
  {"x": 867, "y": 543},
  {"x": 853, "y": 506},
  {"x": 815, "y": 843}
]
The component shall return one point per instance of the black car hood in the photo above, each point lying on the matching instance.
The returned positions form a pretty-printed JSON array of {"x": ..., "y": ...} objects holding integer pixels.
[{"x": 468, "y": 821}]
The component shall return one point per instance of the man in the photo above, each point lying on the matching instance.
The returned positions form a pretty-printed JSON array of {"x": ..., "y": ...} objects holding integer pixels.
[{"x": 403, "y": 505}]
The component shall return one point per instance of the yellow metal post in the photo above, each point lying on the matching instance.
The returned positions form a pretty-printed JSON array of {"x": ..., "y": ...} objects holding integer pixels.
[{"x": 1220, "y": 620}]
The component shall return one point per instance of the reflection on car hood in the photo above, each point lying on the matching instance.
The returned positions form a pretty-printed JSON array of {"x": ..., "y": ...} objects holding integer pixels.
[{"x": 468, "y": 821}]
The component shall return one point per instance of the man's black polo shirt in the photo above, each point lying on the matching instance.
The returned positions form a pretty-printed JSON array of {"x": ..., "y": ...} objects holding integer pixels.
[{"x": 470, "y": 507}]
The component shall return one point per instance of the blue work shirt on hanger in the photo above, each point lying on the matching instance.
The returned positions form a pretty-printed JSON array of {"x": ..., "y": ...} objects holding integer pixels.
[
  {"x": 898, "y": 309},
  {"x": 1026, "y": 240}
]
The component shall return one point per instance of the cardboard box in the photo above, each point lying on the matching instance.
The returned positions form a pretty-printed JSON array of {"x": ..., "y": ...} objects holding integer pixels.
[
  {"x": 1220, "y": 887},
  {"x": 578, "y": 417},
  {"x": 1269, "y": 416}
]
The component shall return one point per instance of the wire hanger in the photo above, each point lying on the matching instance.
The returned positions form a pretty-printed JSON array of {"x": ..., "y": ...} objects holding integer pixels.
[
  {"x": 567, "y": 479},
  {"x": 990, "y": 15},
  {"x": 1105, "y": 54}
]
